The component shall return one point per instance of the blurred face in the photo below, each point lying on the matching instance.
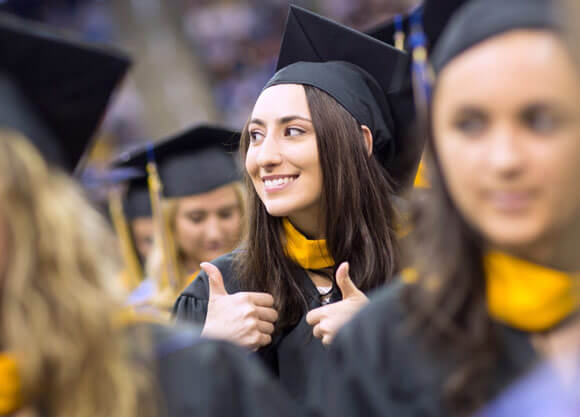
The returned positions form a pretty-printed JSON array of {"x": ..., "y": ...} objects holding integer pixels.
[
  {"x": 282, "y": 159},
  {"x": 507, "y": 135},
  {"x": 208, "y": 225},
  {"x": 142, "y": 228}
]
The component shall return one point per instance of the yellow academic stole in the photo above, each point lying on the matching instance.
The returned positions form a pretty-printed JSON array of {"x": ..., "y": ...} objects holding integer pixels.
[
  {"x": 11, "y": 397},
  {"x": 528, "y": 296},
  {"x": 309, "y": 254}
]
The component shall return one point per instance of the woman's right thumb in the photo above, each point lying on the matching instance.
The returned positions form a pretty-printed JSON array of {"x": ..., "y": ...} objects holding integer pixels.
[{"x": 216, "y": 281}]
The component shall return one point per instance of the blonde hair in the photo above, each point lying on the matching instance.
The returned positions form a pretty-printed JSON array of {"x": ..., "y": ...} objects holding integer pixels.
[
  {"x": 167, "y": 293},
  {"x": 58, "y": 296}
]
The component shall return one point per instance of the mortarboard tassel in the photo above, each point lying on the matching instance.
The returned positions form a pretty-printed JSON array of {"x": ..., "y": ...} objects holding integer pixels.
[
  {"x": 422, "y": 81},
  {"x": 399, "y": 32},
  {"x": 422, "y": 73},
  {"x": 169, "y": 270}
]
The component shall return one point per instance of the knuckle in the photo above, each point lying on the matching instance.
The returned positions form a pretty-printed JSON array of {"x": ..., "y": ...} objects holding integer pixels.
[
  {"x": 249, "y": 312},
  {"x": 325, "y": 327},
  {"x": 251, "y": 323},
  {"x": 244, "y": 296},
  {"x": 256, "y": 338}
]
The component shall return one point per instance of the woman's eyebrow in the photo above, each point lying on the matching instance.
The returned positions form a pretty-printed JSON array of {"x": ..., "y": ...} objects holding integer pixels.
[
  {"x": 281, "y": 120},
  {"x": 258, "y": 122},
  {"x": 286, "y": 119}
]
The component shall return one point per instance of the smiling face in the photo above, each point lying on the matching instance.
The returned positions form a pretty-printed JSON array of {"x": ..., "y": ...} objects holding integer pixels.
[
  {"x": 509, "y": 143},
  {"x": 282, "y": 158}
]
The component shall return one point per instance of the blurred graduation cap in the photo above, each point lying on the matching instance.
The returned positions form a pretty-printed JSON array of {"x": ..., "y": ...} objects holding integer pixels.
[
  {"x": 436, "y": 16},
  {"x": 480, "y": 20},
  {"x": 433, "y": 15},
  {"x": 137, "y": 201},
  {"x": 195, "y": 161},
  {"x": 369, "y": 78},
  {"x": 54, "y": 89}
]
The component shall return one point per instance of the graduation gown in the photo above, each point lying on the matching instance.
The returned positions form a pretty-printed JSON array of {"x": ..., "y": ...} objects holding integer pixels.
[
  {"x": 374, "y": 367},
  {"x": 292, "y": 353},
  {"x": 541, "y": 393},
  {"x": 201, "y": 377}
]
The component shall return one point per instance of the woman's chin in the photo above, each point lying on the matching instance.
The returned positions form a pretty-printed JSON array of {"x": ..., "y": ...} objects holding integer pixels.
[
  {"x": 291, "y": 207},
  {"x": 513, "y": 238},
  {"x": 279, "y": 210}
]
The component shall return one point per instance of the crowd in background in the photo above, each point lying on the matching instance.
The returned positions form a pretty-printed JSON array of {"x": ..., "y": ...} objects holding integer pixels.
[{"x": 236, "y": 43}]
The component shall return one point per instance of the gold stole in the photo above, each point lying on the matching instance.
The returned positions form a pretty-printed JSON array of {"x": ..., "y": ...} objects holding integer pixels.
[
  {"x": 11, "y": 397},
  {"x": 309, "y": 254},
  {"x": 527, "y": 296}
]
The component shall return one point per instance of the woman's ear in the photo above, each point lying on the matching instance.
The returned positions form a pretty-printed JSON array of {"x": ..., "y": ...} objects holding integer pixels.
[{"x": 368, "y": 136}]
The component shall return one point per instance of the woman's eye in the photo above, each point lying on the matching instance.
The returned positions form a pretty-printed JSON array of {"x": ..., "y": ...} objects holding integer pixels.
[
  {"x": 294, "y": 131},
  {"x": 197, "y": 218},
  {"x": 471, "y": 126},
  {"x": 256, "y": 135},
  {"x": 226, "y": 214},
  {"x": 541, "y": 122}
]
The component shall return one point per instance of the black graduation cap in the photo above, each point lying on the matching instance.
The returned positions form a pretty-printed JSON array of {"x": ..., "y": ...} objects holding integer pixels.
[
  {"x": 479, "y": 20},
  {"x": 436, "y": 16},
  {"x": 137, "y": 202},
  {"x": 195, "y": 161},
  {"x": 369, "y": 78},
  {"x": 54, "y": 89}
]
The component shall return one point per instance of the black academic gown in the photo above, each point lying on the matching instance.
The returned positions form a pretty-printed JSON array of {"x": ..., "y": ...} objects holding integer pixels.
[
  {"x": 291, "y": 354},
  {"x": 199, "y": 377},
  {"x": 374, "y": 368}
]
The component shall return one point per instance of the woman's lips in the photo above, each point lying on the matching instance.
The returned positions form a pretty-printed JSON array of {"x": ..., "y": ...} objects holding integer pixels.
[
  {"x": 511, "y": 202},
  {"x": 275, "y": 183}
]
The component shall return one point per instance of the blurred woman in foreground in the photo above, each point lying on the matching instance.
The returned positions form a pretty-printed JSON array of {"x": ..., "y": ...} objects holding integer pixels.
[
  {"x": 67, "y": 349},
  {"x": 495, "y": 282},
  {"x": 70, "y": 348}
]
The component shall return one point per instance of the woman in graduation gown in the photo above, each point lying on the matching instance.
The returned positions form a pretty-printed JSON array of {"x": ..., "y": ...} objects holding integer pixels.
[
  {"x": 494, "y": 284},
  {"x": 324, "y": 152},
  {"x": 203, "y": 197},
  {"x": 65, "y": 349},
  {"x": 201, "y": 207}
]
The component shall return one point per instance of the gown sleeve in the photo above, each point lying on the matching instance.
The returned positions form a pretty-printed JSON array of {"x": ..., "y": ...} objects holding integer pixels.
[
  {"x": 191, "y": 305},
  {"x": 369, "y": 371}
]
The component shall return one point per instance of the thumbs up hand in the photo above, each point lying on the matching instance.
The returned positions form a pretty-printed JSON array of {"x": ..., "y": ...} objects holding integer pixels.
[
  {"x": 327, "y": 320},
  {"x": 244, "y": 318}
]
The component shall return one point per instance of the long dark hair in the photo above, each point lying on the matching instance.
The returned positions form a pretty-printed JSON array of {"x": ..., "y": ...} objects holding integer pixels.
[
  {"x": 360, "y": 218},
  {"x": 447, "y": 306}
]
